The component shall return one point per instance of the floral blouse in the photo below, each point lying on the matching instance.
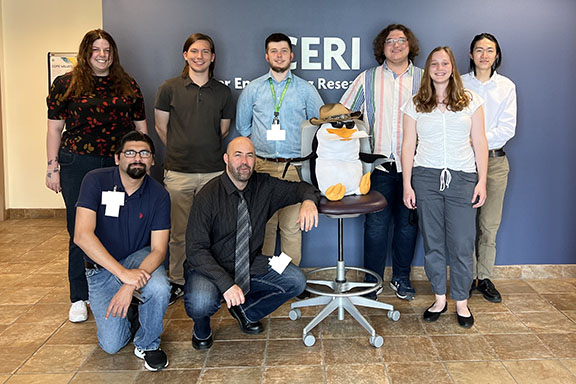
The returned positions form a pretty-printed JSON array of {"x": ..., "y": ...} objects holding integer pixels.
[{"x": 94, "y": 123}]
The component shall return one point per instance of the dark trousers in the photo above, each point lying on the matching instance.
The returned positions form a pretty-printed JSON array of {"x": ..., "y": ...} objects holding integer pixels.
[
  {"x": 73, "y": 168},
  {"x": 377, "y": 228}
]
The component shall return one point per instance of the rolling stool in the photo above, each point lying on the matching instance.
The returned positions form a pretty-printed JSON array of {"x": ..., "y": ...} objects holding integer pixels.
[{"x": 339, "y": 297}]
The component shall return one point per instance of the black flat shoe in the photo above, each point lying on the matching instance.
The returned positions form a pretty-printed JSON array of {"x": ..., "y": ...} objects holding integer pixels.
[
  {"x": 465, "y": 322},
  {"x": 433, "y": 316},
  {"x": 202, "y": 344},
  {"x": 245, "y": 325}
]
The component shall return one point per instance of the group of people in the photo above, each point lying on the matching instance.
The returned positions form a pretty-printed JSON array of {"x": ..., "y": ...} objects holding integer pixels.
[{"x": 221, "y": 210}]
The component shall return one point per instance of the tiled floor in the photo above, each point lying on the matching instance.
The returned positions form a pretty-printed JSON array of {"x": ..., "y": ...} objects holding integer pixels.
[{"x": 529, "y": 338}]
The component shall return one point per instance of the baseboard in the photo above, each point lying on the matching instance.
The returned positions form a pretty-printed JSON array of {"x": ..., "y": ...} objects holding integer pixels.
[
  {"x": 501, "y": 272},
  {"x": 35, "y": 213}
]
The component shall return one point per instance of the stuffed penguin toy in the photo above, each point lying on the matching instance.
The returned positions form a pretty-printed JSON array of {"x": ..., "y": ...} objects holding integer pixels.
[{"x": 338, "y": 166}]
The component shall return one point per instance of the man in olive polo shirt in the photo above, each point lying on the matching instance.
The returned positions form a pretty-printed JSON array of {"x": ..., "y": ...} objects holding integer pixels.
[{"x": 192, "y": 114}]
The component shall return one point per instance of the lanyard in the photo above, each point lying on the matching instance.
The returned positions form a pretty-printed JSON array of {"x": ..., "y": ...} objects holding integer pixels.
[{"x": 277, "y": 106}]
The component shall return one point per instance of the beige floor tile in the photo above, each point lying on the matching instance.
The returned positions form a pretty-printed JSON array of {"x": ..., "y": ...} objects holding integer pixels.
[
  {"x": 42, "y": 313},
  {"x": 292, "y": 352},
  {"x": 562, "y": 301},
  {"x": 350, "y": 351},
  {"x": 54, "y": 378},
  {"x": 178, "y": 311},
  {"x": 57, "y": 358},
  {"x": 18, "y": 268},
  {"x": 562, "y": 345},
  {"x": 60, "y": 268},
  {"x": 539, "y": 371},
  {"x": 9, "y": 313},
  {"x": 552, "y": 285},
  {"x": 332, "y": 328},
  {"x": 411, "y": 348},
  {"x": 75, "y": 333},
  {"x": 15, "y": 356},
  {"x": 447, "y": 324},
  {"x": 22, "y": 334},
  {"x": 24, "y": 295},
  {"x": 403, "y": 306},
  {"x": 547, "y": 322},
  {"x": 228, "y": 329},
  {"x": 3, "y": 378},
  {"x": 408, "y": 325},
  {"x": 60, "y": 295},
  {"x": 519, "y": 346},
  {"x": 457, "y": 348},
  {"x": 570, "y": 364},
  {"x": 479, "y": 304},
  {"x": 293, "y": 375},
  {"x": 104, "y": 377},
  {"x": 180, "y": 330},
  {"x": 284, "y": 310},
  {"x": 183, "y": 356},
  {"x": 356, "y": 374},
  {"x": 513, "y": 286},
  {"x": 571, "y": 314},
  {"x": 231, "y": 376},
  {"x": 236, "y": 354},
  {"x": 421, "y": 303},
  {"x": 526, "y": 303},
  {"x": 418, "y": 373},
  {"x": 491, "y": 323},
  {"x": 479, "y": 372},
  {"x": 284, "y": 328},
  {"x": 12, "y": 280},
  {"x": 169, "y": 376},
  {"x": 124, "y": 360}
]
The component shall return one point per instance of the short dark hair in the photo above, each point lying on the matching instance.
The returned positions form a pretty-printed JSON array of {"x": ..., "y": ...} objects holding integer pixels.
[
  {"x": 492, "y": 38},
  {"x": 135, "y": 136},
  {"x": 191, "y": 40},
  {"x": 383, "y": 35},
  {"x": 276, "y": 38}
]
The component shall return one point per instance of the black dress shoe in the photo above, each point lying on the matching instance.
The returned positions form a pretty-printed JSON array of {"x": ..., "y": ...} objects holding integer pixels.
[
  {"x": 433, "y": 316},
  {"x": 465, "y": 322},
  {"x": 202, "y": 344},
  {"x": 245, "y": 325},
  {"x": 489, "y": 291},
  {"x": 304, "y": 295}
]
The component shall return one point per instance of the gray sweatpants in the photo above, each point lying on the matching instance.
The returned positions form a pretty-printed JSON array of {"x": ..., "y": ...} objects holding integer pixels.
[{"x": 447, "y": 222}]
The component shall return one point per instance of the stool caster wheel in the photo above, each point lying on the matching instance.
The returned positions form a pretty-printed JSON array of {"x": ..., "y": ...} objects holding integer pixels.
[
  {"x": 295, "y": 314},
  {"x": 394, "y": 315},
  {"x": 376, "y": 341},
  {"x": 308, "y": 339}
]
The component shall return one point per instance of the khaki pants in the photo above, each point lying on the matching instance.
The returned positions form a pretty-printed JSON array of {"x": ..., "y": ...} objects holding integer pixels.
[
  {"x": 285, "y": 219},
  {"x": 489, "y": 217},
  {"x": 182, "y": 188}
]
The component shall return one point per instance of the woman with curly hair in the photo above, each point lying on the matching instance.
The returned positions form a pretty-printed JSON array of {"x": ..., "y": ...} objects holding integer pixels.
[
  {"x": 97, "y": 102},
  {"x": 444, "y": 158}
]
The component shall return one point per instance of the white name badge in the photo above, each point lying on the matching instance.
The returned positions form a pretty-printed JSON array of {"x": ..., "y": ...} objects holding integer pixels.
[
  {"x": 113, "y": 200},
  {"x": 279, "y": 263},
  {"x": 275, "y": 133}
]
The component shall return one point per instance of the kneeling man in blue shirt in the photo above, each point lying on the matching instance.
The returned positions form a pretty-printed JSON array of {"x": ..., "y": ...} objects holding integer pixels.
[{"x": 123, "y": 224}]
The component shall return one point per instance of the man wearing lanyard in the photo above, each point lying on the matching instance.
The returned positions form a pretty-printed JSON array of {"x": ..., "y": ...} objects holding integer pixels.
[
  {"x": 379, "y": 93},
  {"x": 270, "y": 111}
]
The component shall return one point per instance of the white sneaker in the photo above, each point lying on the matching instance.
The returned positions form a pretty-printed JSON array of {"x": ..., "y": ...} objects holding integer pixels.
[{"x": 78, "y": 312}]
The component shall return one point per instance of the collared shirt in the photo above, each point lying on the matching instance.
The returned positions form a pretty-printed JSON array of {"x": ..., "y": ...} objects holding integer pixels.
[
  {"x": 255, "y": 113},
  {"x": 144, "y": 211},
  {"x": 211, "y": 232},
  {"x": 444, "y": 137},
  {"x": 380, "y": 93},
  {"x": 499, "y": 94},
  {"x": 194, "y": 138}
]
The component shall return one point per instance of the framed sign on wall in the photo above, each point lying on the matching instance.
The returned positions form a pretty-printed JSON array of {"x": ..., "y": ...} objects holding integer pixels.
[{"x": 59, "y": 63}]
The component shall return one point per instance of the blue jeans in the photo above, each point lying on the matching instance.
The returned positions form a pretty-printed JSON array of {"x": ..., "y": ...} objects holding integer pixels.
[
  {"x": 377, "y": 228},
  {"x": 73, "y": 168},
  {"x": 267, "y": 292},
  {"x": 114, "y": 333}
]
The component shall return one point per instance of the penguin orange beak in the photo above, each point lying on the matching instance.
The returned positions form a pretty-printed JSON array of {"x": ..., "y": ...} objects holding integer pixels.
[{"x": 344, "y": 133}]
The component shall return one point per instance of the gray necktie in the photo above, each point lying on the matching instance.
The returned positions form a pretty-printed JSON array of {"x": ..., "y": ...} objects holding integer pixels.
[{"x": 243, "y": 233}]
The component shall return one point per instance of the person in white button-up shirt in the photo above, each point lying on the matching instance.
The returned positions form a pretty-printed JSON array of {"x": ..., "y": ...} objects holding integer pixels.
[
  {"x": 446, "y": 179},
  {"x": 499, "y": 94}
]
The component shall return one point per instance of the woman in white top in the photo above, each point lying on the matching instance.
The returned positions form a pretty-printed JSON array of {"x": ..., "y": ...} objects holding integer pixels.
[
  {"x": 446, "y": 179},
  {"x": 499, "y": 94}
]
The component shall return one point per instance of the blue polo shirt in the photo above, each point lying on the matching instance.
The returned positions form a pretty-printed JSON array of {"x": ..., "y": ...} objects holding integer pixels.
[{"x": 146, "y": 210}]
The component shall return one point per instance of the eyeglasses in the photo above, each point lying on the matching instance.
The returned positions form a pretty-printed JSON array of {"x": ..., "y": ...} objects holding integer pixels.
[
  {"x": 132, "y": 153},
  {"x": 340, "y": 124},
  {"x": 400, "y": 41}
]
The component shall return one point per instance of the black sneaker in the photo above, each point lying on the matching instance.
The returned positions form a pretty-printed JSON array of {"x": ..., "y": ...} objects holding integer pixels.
[
  {"x": 153, "y": 360},
  {"x": 176, "y": 292},
  {"x": 403, "y": 288},
  {"x": 489, "y": 291}
]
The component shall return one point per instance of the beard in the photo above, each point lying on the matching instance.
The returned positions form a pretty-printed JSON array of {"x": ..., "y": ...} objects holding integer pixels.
[
  {"x": 136, "y": 170},
  {"x": 237, "y": 175},
  {"x": 278, "y": 69}
]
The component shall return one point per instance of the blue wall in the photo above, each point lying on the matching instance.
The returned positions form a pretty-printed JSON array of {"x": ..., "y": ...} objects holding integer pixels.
[{"x": 537, "y": 37}]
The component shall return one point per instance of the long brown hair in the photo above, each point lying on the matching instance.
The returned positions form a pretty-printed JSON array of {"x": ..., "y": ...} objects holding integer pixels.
[
  {"x": 191, "y": 40},
  {"x": 456, "y": 96},
  {"x": 83, "y": 82}
]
